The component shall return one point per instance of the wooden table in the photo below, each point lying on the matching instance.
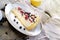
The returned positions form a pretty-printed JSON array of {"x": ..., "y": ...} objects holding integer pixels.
[{"x": 7, "y": 32}]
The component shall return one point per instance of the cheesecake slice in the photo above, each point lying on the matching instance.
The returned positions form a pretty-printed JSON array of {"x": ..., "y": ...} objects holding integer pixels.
[{"x": 28, "y": 20}]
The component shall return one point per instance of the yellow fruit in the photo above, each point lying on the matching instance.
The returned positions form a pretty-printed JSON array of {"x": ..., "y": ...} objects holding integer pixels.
[{"x": 35, "y": 3}]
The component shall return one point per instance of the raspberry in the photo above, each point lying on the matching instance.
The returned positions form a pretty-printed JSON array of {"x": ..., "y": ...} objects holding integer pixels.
[
  {"x": 30, "y": 20},
  {"x": 21, "y": 11},
  {"x": 26, "y": 16},
  {"x": 19, "y": 8}
]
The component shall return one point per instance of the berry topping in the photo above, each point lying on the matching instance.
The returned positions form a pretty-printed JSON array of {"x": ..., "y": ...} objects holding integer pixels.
[
  {"x": 30, "y": 20},
  {"x": 22, "y": 12},
  {"x": 19, "y": 8},
  {"x": 26, "y": 16}
]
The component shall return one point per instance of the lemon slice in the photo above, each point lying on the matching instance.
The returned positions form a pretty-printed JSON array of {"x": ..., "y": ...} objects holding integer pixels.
[{"x": 36, "y": 3}]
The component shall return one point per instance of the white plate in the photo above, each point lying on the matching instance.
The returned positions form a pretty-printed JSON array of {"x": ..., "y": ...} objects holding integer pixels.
[
  {"x": 10, "y": 17},
  {"x": 1, "y": 15}
]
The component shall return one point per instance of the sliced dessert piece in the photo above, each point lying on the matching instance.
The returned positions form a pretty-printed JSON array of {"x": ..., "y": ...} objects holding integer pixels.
[{"x": 28, "y": 20}]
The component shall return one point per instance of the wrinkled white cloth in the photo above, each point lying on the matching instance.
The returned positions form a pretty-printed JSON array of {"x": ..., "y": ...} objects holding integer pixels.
[{"x": 52, "y": 26}]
